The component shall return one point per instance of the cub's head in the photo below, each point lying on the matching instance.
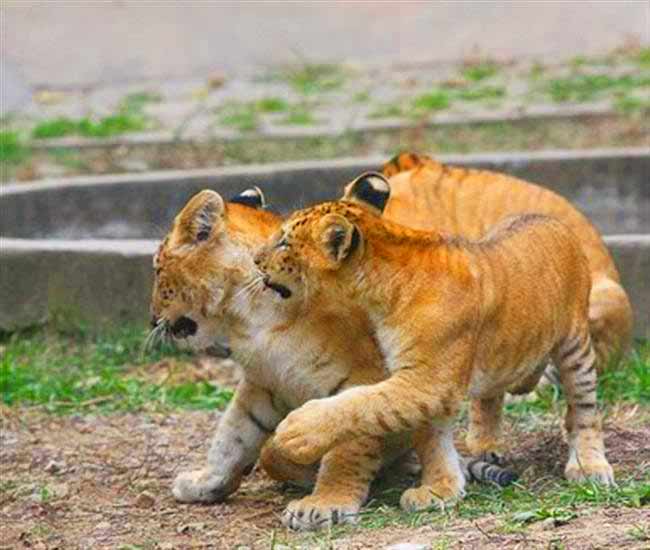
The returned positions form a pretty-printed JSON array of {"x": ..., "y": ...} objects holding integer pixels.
[
  {"x": 197, "y": 265},
  {"x": 315, "y": 243}
]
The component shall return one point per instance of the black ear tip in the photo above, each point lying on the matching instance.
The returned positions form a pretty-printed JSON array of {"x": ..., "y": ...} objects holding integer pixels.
[
  {"x": 372, "y": 188},
  {"x": 253, "y": 197}
]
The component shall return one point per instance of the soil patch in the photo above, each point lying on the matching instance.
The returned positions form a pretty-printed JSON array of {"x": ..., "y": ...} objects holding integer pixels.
[{"x": 103, "y": 482}]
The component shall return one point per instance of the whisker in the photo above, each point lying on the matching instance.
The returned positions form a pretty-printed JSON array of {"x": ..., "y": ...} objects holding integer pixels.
[
  {"x": 154, "y": 337},
  {"x": 250, "y": 286}
]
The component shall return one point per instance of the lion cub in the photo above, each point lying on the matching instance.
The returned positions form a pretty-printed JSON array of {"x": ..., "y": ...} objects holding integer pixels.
[{"x": 453, "y": 318}]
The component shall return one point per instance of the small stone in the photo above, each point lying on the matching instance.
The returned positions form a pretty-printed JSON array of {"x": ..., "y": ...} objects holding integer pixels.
[
  {"x": 60, "y": 490},
  {"x": 134, "y": 165},
  {"x": 103, "y": 526},
  {"x": 145, "y": 500},
  {"x": 215, "y": 81},
  {"x": 165, "y": 546},
  {"x": 53, "y": 467},
  {"x": 51, "y": 170},
  {"x": 548, "y": 524},
  {"x": 49, "y": 97},
  {"x": 187, "y": 527},
  {"x": 407, "y": 546}
]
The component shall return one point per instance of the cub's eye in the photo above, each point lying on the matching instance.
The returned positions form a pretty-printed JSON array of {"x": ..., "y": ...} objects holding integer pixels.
[{"x": 282, "y": 243}]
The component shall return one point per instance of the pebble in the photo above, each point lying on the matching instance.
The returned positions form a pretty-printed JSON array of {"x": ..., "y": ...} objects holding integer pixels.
[
  {"x": 145, "y": 500},
  {"x": 408, "y": 546}
]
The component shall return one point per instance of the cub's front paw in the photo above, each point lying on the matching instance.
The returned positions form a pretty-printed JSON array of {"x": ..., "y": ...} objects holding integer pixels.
[
  {"x": 203, "y": 486},
  {"x": 312, "y": 513},
  {"x": 424, "y": 497},
  {"x": 594, "y": 468},
  {"x": 306, "y": 434}
]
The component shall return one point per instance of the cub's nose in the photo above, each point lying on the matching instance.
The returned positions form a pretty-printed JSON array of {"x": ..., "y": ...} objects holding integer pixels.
[{"x": 184, "y": 327}]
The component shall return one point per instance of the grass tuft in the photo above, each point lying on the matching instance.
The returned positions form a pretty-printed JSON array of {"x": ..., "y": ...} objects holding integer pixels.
[
  {"x": 299, "y": 115},
  {"x": 315, "y": 78},
  {"x": 68, "y": 373},
  {"x": 12, "y": 148},
  {"x": 436, "y": 100},
  {"x": 643, "y": 57},
  {"x": 587, "y": 87},
  {"x": 241, "y": 116},
  {"x": 480, "y": 71},
  {"x": 112, "y": 125}
]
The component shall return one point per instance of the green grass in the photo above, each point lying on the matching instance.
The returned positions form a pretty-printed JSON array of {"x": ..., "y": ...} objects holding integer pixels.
[
  {"x": 12, "y": 148},
  {"x": 69, "y": 373},
  {"x": 587, "y": 87},
  {"x": 481, "y": 93},
  {"x": 54, "y": 128},
  {"x": 241, "y": 116},
  {"x": 630, "y": 383},
  {"x": 138, "y": 100},
  {"x": 614, "y": 131},
  {"x": 129, "y": 117},
  {"x": 272, "y": 105},
  {"x": 315, "y": 78},
  {"x": 515, "y": 508},
  {"x": 246, "y": 116},
  {"x": 299, "y": 115},
  {"x": 442, "y": 98},
  {"x": 630, "y": 104},
  {"x": 387, "y": 110},
  {"x": 108, "y": 126},
  {"x": 361, "y": 97},
  {"x": 480, "y": 71},
  {"x": 70, "y": 159},
  {"x": 435, "y": 100},
  {"x": 643, "y": 57}
]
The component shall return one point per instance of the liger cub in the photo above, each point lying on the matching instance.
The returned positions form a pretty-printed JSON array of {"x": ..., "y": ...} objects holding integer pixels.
[
  {"x": 206, "y": 287},
  {"x": 452, "y": 317},
  {"x": 426, "y": 194}
]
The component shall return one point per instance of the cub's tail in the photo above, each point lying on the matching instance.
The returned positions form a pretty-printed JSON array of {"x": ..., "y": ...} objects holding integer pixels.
[{"x": 483, "y": 471}]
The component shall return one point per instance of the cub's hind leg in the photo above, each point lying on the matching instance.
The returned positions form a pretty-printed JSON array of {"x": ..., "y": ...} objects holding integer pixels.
[
  {"x": 281, "y": 469},
  {"x": 484, "y": 433},
  {"x": 576, "y": 362},
  {"x": 443, "y": 479},
  {"x": 342, "y": 485}
]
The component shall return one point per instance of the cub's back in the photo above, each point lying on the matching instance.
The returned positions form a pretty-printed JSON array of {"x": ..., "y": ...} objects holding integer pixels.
[
  {"x": 430, "y": 195},
  {"x": 535, "y": 284}
]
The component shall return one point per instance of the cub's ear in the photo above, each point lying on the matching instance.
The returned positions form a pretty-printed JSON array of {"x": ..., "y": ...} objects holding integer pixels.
[
  {"x": 371, "y": 189},
  {"x": 202, "y": 217},
  {"x": 252, "y": 197},
  {"x": 338, "y": 236}
]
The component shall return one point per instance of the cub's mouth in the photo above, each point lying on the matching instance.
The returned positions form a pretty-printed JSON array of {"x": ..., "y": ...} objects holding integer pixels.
[
  {"x": 282, "y": 290},
  {"x": 218, "y": 350}
]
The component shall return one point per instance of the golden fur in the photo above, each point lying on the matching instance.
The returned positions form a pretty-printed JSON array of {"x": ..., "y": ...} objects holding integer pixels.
[
  {"x": 205, "y": 272},
  {"x": 453, "y": 318},
  {"x": 207, "y": 281},
  {"x": 428, "y": 195},
  {"x": 287, "y": 360}
]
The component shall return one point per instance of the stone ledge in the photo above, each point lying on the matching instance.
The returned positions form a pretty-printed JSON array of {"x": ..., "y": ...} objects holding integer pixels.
[{"x": 101, "y": 281}]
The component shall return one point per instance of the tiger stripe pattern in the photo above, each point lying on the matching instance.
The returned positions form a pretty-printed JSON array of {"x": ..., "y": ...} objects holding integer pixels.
[{"x": 454, "y": 317}]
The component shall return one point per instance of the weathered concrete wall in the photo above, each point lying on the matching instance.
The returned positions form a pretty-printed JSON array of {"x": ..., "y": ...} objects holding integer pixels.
[
  {"x": 89, "y": 282},
  {"x": 610, "y": 187},
  {"x": 109, "y": 279}
]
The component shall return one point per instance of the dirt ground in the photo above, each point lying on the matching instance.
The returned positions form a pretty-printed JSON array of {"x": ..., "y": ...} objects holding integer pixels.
[{"x": 104, "y": 482}]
